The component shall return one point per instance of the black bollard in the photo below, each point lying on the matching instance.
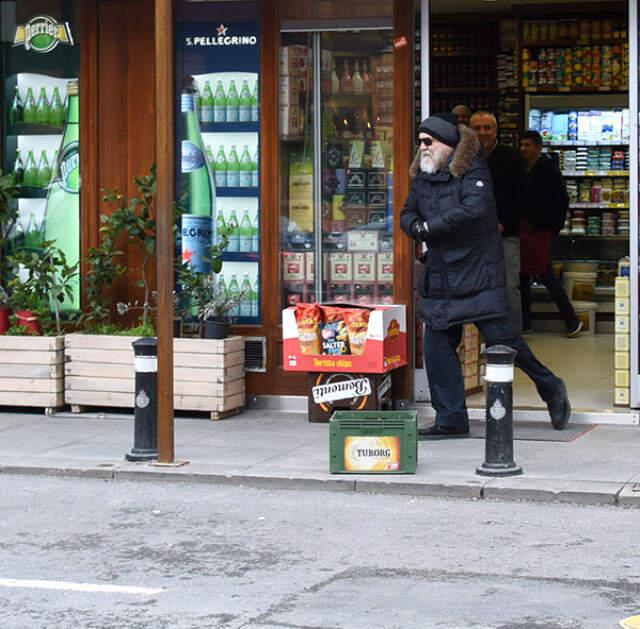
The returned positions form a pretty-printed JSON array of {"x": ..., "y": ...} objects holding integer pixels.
[
  {"x": 145, "y": 441},
  {"x": 499, "y": 414}
]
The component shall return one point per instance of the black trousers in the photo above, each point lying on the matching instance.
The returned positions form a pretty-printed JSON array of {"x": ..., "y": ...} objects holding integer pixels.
[
  {"x": 556, "y": 290},
  {"x": 445, "y": 372}
]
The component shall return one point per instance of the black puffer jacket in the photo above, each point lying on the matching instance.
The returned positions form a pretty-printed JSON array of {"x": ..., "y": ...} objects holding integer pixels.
[
  {"x": 546, "y": 200},
  {"x": 464, "y": 274}
]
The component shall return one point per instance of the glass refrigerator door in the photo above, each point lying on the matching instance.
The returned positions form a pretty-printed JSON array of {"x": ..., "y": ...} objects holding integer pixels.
[
  {"x": 337, "y": 168},
  {"x": 41, "y": 127},
  {"x": 218, "y": 144}
]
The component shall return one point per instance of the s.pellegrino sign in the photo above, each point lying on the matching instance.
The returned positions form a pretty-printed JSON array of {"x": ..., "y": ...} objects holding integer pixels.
[{"x": 42, "y": 34}]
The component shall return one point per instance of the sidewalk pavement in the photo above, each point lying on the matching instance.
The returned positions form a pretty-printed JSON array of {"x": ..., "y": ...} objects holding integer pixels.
[{"x": 272, "y": 449}]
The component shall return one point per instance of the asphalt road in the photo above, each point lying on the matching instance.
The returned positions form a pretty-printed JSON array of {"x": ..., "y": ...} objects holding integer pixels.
[{"x": 87, "y": 553}]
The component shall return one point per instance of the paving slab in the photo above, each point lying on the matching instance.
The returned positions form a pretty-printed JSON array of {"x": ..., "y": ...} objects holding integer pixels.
[{"x": 630, "y": 495}]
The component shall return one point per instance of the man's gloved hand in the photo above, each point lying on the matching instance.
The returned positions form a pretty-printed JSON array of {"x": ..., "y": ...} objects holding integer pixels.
[{"x": 419, "y": 230}]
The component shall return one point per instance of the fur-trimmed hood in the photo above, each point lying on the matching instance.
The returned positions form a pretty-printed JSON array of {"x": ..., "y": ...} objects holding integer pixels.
[{"x": 462, "y": 157}]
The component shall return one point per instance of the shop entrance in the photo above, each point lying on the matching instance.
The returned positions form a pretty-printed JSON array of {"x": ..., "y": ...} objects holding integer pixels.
[{"x": 564, "y": 72}]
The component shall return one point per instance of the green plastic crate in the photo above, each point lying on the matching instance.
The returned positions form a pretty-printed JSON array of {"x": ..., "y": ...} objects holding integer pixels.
[{"x": 373, "y": 442}]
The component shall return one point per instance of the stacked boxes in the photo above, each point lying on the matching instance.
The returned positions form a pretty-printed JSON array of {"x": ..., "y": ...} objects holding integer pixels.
[
  {"x": 622, "y": 341},
  {"x": 469, "y": 353},
  {"x": 293, "y": 84}
]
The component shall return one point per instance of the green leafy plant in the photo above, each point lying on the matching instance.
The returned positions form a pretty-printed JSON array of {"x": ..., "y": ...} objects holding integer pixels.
[
  {"x": 41, "y": 278},
  {"x": 8, "y": 207}
]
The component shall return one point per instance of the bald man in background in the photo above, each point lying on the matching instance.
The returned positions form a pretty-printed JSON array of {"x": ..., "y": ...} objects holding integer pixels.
[{"x": 508, "y": 172}]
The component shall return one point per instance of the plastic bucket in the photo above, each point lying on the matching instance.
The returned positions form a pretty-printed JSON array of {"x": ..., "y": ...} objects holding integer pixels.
[
  {"x": 580, "y": 286},
  {"x": 586, "y": 312}
]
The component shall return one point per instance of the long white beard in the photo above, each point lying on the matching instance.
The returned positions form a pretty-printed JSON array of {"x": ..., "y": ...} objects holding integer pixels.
[{"x": 428, "y": 164}]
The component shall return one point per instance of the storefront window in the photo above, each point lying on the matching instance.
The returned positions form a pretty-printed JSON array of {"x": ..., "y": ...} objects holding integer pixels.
[
  {"x": 40, "y": 65},
  {"x": 336, "y": 133},
  {"x": 218, "y": 144}
]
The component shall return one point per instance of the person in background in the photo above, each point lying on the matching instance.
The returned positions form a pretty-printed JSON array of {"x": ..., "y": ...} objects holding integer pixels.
[
  {"x": 451, "y": 208},
  {"x": 545, "y": 208},
  {"x": 507, "y": 174},
  {"x": 462, "y": 114}
]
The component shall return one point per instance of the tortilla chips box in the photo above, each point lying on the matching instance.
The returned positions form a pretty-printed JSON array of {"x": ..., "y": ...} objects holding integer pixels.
[{"x": 379, "y": 348}]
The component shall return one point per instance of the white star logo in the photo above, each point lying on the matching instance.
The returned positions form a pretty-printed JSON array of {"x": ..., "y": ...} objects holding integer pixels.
[{"x": 222, "y": 30}]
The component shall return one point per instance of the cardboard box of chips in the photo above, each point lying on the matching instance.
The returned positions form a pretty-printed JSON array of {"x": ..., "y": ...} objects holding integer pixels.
[{"x": 344, "y": 338}]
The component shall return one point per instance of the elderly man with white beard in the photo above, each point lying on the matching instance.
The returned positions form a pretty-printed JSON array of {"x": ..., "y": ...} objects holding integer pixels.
[{"x": 451, "y": 208}]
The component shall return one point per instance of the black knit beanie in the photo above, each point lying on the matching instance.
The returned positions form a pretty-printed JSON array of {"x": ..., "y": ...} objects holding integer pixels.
[{"x": 442, "y": 126}]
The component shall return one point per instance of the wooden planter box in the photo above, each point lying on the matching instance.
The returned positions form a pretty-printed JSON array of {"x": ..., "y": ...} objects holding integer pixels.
[
  {"x": 208, "y": 374},
  {"x": 32, "y": 371}
]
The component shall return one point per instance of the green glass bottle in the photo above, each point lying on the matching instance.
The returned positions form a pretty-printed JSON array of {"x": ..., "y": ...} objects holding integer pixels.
[
  {"x": 233, "y": 103},
  {"x": 220, "y": 104},
  {"x": 255, "y": 234},
  {"x": 221, "y": 285},
  {"x": 246, "y": 168},
  {"x": 62, "y": 212},
  {"x": 44, "y": 171},
  {"x": 198, "y": 101},
  {"x": 197, "y": 233},
  {"x": 255, "y": 172},
  {"x": 233, "y": 168},
  {"x": 16, "y": 111},
  {"x": 234, "y": 233},
  {"x": 245, "y": 301},
  {"x": 18, "y": 170},
  {"x": 220, "y": 168},
  {"x": 29, "y": 112},
  {"x": 30, "y": 171},
  {"x": 234, "y": 290},
  {"x": 245, "y": 233},
  {"x": 209, "y": 155},
  {"x": 221, "y": 226},
  {"x": 207, "y": 104},
  {"x": 33, "y": 234},
  {"x": 254, "y": 299},
  {"x": 255, "y": 103},
  {"x": 42, "y": 108},
  {"x": 244, "y": 106},
  {"x": 56, "y": 110}
]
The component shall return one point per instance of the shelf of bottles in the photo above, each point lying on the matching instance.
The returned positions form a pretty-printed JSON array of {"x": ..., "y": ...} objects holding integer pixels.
[
  {"x": 36, "y": 150},
  {"x": 227, "y": 104},
  {"x": 355, "y": 175}
]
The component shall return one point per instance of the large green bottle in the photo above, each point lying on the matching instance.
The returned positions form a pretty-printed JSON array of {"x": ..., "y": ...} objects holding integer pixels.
[
  {"x": 56, "y": 110},
  {"x": 244, "y": 108},
  {"x": 29, "y": 113},
  {"x": 207, "y": 104},
  {"x": 44, "y": 171},
  {"x": 42, "y": 108},
  {"x": 30, "y": 171},
  {"x": 255, "y": 103},
  {"x": 246, "y": 168},
  {"x": 246, "y": 237},
  {"x": 220, "y": 104},
  {"x": 62, "y": 213},
  {"x": 220, "y": 168},
  {"x": 197, "y": 232},
  {"x": 16, "y": 111},
  {"x": 233, "y": 168},
  {"x": 18, "y": 170},
  {"x": 233, "y": 103}
]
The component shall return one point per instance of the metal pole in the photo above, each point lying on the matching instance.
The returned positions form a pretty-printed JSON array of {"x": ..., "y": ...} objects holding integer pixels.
[
  {"x": 145, "y": 440},
  {"x": 499, "y": 414},
  {"x": 164, "y": 111}
]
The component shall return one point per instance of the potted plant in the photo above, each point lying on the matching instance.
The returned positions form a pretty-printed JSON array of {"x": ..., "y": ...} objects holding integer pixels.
[{"x": 216, "y": 313}]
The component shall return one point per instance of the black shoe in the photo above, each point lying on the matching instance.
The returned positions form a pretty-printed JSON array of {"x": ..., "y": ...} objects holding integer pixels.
[
  {"x": 574, "y": 330},
  {"x": 559, "y": 407},
  {"x": 443, "y": 432}
]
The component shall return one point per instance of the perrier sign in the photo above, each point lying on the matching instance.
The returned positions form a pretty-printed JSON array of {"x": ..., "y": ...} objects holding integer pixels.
[{"x": 42, "y": 34}]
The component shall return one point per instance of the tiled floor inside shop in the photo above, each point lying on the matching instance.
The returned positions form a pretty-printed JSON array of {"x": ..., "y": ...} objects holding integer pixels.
[{"x": 585, "y": 363}]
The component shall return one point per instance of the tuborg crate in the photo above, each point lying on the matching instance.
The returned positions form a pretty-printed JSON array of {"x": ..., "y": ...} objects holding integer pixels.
[{"x": 373, "y": 442}]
